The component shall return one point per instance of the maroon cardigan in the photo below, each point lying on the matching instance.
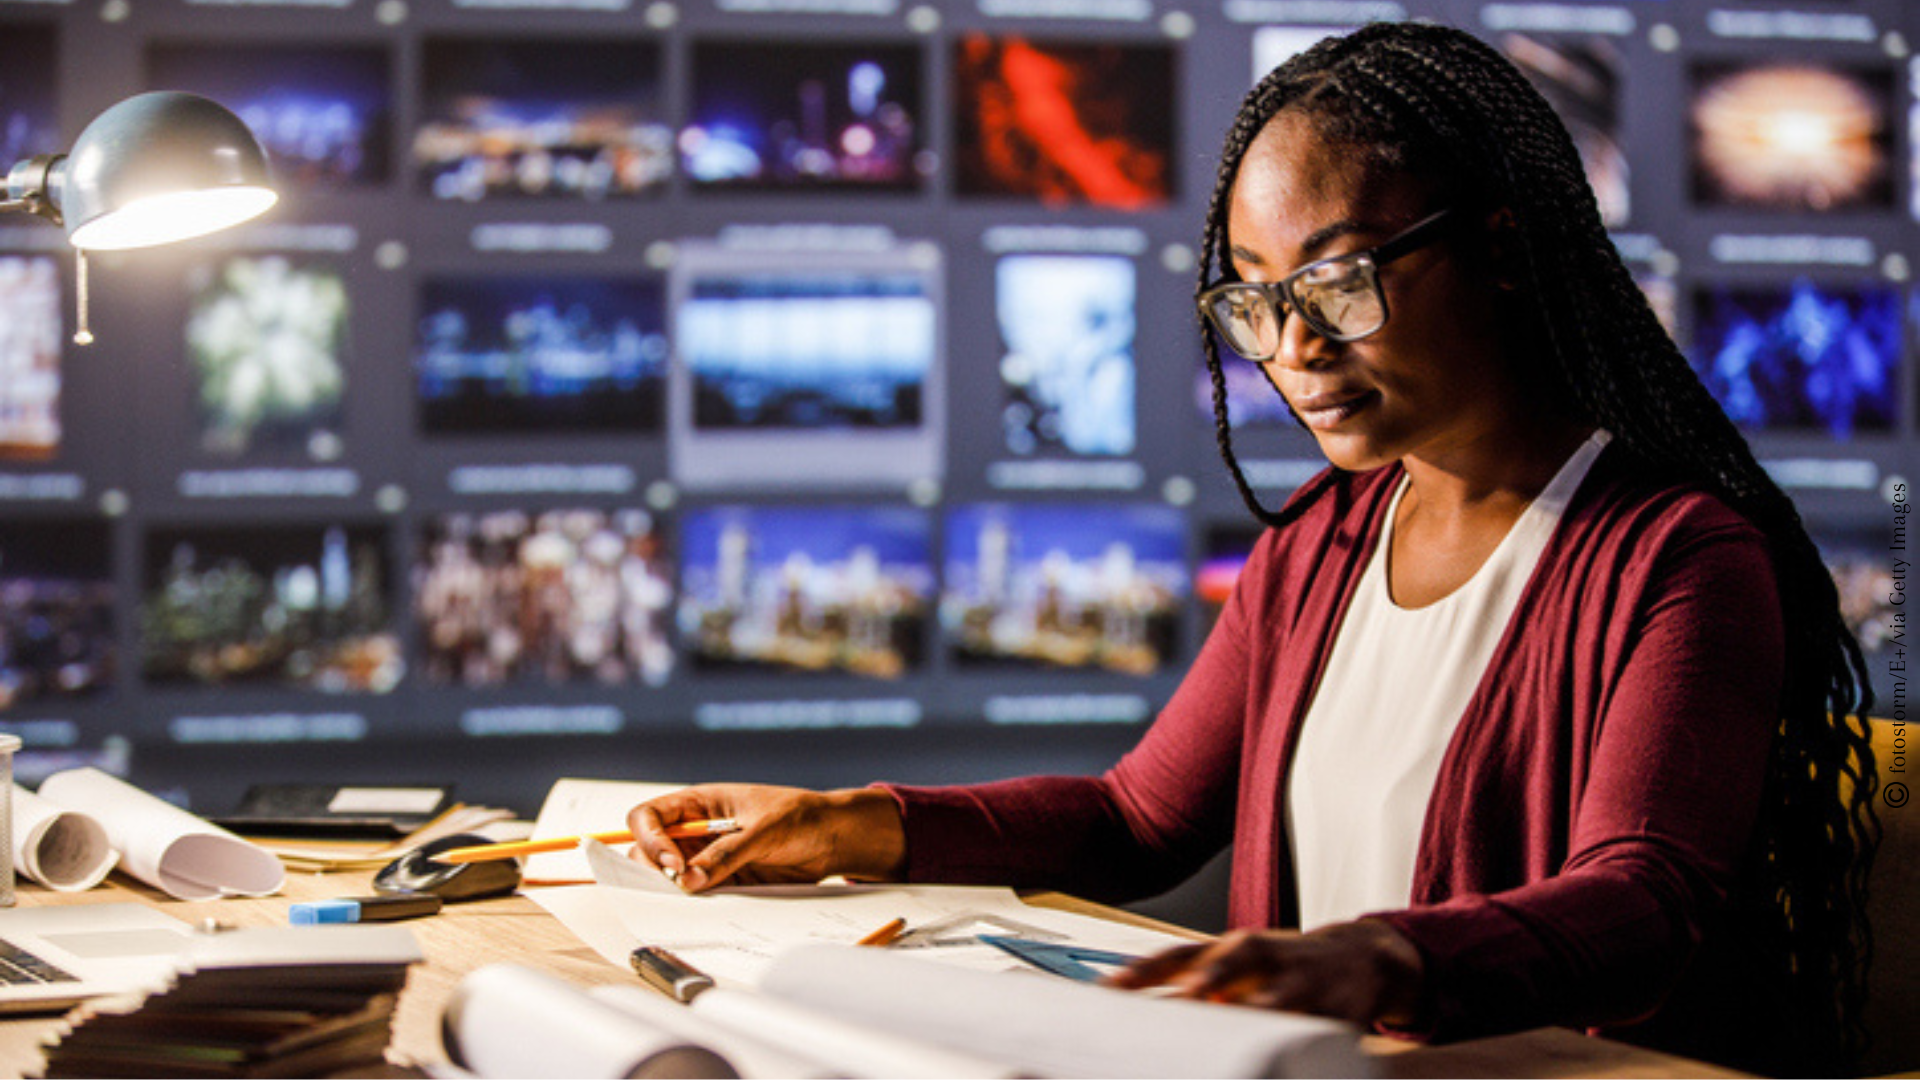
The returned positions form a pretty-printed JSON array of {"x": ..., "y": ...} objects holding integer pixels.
[{"x": 1590, "y": 811}]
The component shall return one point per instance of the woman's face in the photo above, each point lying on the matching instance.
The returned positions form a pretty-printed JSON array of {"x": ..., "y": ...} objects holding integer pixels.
[{"x": 1431, "y": 382}]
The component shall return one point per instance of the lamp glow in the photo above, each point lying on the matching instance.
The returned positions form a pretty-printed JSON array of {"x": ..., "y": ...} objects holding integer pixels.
[{"x": 170, "y": 218}]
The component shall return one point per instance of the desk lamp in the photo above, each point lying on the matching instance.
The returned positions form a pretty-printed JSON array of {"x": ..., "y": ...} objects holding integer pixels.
[{"x": 154, "y": 169}]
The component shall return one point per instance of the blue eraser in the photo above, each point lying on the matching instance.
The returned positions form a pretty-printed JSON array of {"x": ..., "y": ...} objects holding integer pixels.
[{"x": 316, "y": 912}]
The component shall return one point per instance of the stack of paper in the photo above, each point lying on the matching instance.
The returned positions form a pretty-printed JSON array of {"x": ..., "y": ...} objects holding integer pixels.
[
  {"x": 267, "y": 1002},
  {"x": 319, "y": 856}
]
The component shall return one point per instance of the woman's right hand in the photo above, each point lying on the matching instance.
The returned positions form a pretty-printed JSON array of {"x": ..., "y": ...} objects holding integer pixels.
[{"x": 786, "y": 835}]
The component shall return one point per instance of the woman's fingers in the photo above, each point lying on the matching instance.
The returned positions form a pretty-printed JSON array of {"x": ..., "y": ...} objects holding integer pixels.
[
  {"x": 1238, "y": 968},
  {"x": 1156, "y": 969},
  {"x": 1351, "y": 971},
  {"x": 649, "y": 822},
  {"x": 759, "y": 842}
]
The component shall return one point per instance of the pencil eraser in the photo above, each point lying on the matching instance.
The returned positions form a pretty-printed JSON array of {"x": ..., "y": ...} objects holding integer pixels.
[{"x": 317, "y": 912}]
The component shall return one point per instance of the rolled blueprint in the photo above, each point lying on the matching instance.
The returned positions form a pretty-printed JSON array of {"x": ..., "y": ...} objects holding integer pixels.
[
  {"x": 61, "y": 849},
  {"x": 163, "y": 845}
]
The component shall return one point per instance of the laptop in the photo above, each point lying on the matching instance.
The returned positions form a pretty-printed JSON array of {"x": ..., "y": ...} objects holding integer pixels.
[{"x": 54, "y": 957}]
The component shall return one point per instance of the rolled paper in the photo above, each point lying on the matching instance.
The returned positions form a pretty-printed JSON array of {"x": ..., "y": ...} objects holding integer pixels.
[
  {"x": 185, "y": 856},
  {"x": 62, "y": 849}
]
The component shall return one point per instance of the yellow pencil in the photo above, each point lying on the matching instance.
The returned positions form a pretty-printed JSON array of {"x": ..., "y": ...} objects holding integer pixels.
[
  {"x": 685, "y": 830},
  {"x": 886, "y": 935}
]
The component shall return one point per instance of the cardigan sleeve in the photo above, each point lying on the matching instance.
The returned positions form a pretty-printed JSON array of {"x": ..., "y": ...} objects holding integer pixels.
[
  {"x": 1137, "y": 830},
  {"x": 1658, "y": 830}
]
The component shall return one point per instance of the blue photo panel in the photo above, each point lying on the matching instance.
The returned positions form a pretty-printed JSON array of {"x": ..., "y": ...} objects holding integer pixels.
[
  {"x": 1056, "y": 585},
  {"x": 57, "y": 638},
  {"x": 324, "y": 114},
  {"x": 792, "y": 115},
  {"x": 820, "y": 588},
  {"x": 1806, "y": 357},
  {"x": 800, "y": 351},
  {"x": 540, "y": 354},
  {"x": 541, "y": 118},
  {"x": 1067, "y": 327}
]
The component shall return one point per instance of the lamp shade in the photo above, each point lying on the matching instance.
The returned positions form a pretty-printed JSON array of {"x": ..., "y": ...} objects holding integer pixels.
[{"x": 157, "y": 168}]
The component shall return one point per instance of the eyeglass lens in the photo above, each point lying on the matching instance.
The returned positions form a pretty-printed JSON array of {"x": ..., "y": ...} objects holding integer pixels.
[{"x": 1340, "y": 299}]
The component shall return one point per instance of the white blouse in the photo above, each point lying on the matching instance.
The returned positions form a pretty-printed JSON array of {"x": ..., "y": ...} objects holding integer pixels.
[{"x": 1395, "y": 686}]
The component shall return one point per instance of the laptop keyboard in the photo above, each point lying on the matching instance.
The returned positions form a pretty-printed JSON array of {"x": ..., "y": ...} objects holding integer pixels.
[{"x": 18, "y": 967}]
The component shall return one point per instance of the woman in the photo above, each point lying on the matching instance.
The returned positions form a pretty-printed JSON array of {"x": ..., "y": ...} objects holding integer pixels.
[{"x": 1522, "y": 709}]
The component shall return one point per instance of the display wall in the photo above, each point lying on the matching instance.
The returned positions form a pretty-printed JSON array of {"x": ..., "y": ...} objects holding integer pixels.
[{"x": 623, "y": 371}]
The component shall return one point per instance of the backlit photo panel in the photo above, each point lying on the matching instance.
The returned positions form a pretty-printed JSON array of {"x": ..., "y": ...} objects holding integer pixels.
[
  {"x": 1064, "y": 123},
  {"x": 267, "y": 344},
  {"x": 541, "y": 118},
  {"x": 842, "y": 589},
  {"x": 795, "y": 115},
  {"x": 293, "y": 606},
  {"x": 806, "y": 368},
  {"x": 323, "y": 113},
  {"x": 31, "y": 338},
  {"x": 1056, "y": 585},
  {"x": 547, "y": 597},
  {"x": 1066, "y": 334},
  {"x": 57, "y": 629},
  {"x": 1793, "y": 135},
  {"x": 549, "y": 354},
  {"x": 1803, "y": 357}
]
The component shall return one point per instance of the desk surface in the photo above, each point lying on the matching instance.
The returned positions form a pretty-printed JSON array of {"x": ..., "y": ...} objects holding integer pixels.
[{"x": 514, "y": 930}]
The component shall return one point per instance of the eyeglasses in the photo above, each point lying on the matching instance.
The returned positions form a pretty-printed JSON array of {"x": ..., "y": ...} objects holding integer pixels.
[{"x": 1339, "y": 297}]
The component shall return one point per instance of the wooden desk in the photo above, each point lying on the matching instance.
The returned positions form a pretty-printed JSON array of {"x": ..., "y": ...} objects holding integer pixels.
[{"x": 514, "y": 930}]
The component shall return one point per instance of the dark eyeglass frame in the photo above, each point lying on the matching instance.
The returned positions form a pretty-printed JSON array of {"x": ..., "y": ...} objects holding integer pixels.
[{"x": 1280, "y": 297}]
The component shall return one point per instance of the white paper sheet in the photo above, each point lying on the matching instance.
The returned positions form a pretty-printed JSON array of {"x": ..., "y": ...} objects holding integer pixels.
[
  {"x": 734, "y": 934},
  {"x": 848, "y": 1049},
  {"x": 64, "y": 850},
  {"x": 163, "y": 845},
  {"x": 808, "y": 1045},
  {"x": 576, "y": 808},
  {"x": 1051, "y": 1026},
  {"x": 749, "y": 1053}
]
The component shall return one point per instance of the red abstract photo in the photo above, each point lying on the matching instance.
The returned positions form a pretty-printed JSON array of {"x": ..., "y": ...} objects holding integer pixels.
[{"x": 1066, "y": 124}]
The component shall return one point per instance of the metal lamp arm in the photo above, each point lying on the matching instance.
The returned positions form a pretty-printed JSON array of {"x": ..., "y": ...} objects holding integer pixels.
[{"x": 30, "y": 184}]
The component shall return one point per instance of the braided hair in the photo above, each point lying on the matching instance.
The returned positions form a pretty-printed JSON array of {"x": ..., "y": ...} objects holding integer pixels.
[{"x": 1437, "y": 103}]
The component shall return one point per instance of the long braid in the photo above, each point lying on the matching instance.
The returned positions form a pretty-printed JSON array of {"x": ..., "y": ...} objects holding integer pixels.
[{"x": 1438, "y": 102}]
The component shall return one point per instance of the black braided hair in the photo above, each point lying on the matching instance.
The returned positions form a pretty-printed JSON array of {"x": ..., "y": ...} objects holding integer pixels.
[{"x": 1437, "y": 103}]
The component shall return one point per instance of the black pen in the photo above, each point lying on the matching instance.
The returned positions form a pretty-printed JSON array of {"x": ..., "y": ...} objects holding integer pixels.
[{"x": 668, "y": 973}]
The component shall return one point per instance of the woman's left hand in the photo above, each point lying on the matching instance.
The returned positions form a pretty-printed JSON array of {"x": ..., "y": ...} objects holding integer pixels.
[{"x": 1363, "y": 971}]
